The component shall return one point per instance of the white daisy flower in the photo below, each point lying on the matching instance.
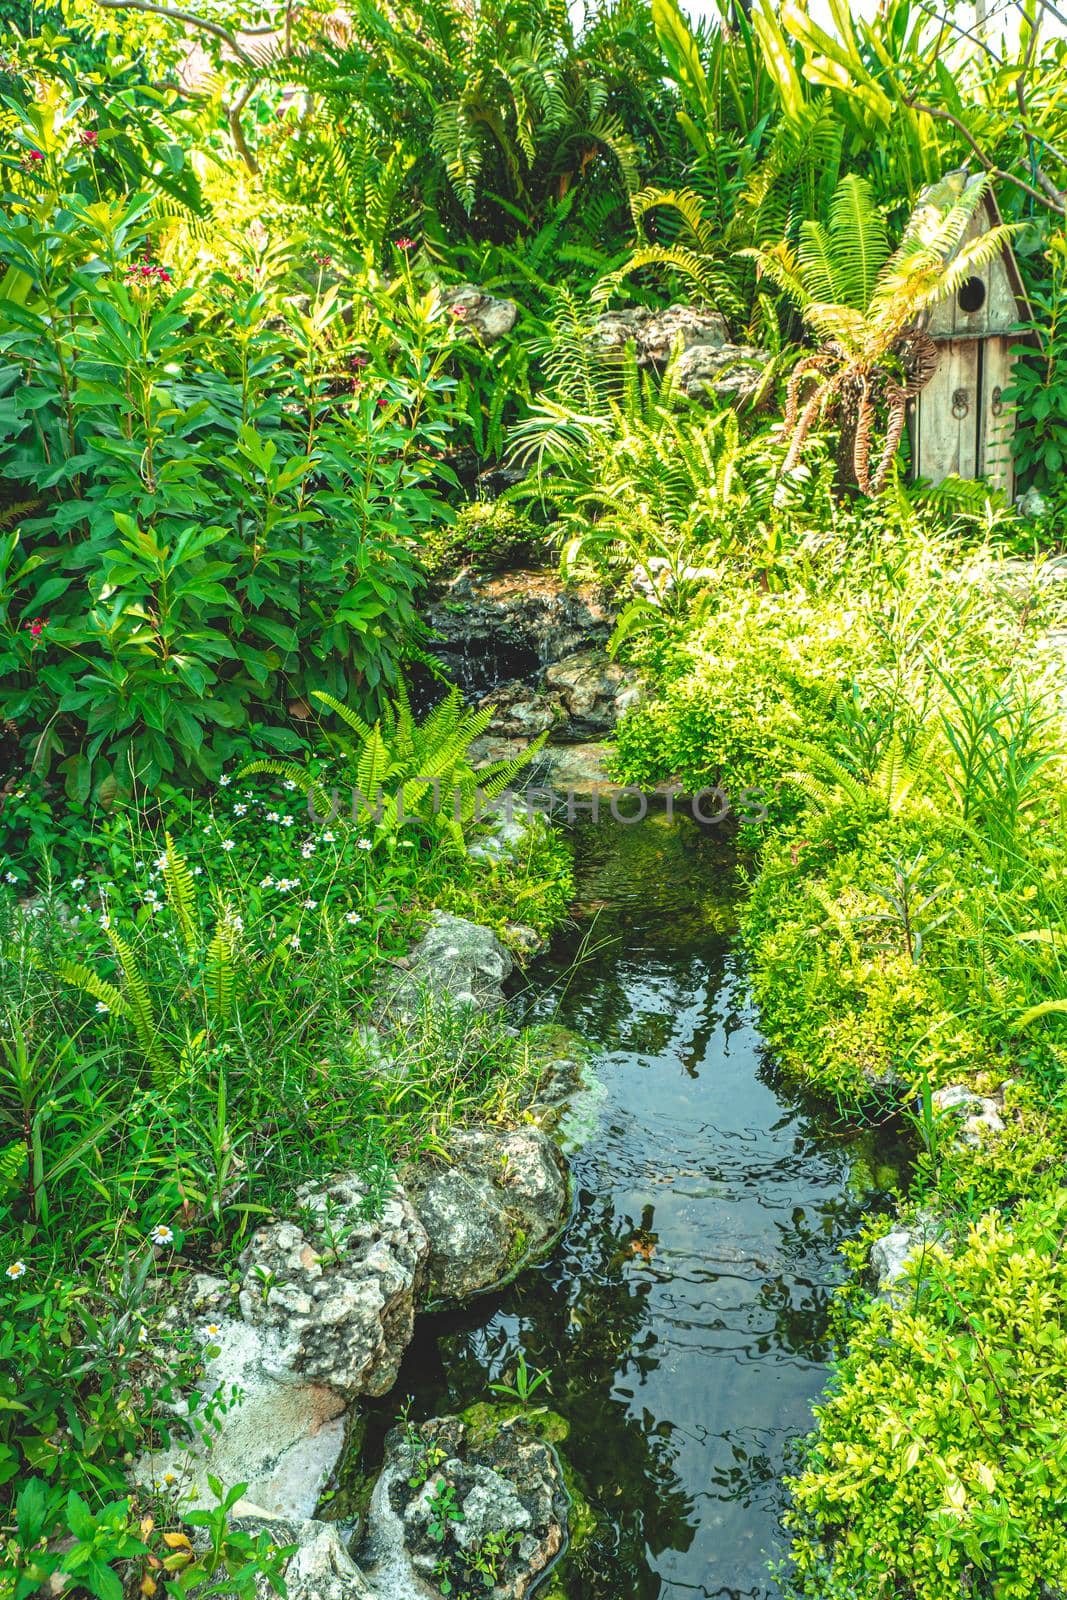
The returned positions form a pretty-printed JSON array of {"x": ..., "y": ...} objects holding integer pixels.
[
  {"x": 102, "y": 1008},
  {"x": 161, "y": 1234},
  {"x": 17, "y": 1269},
  {"x": 77, "y": 883},
  {"x": 227, "y": 844},
  {"x": 364, "y": 844},
  {"x": 224, "y": 781},
  {"x": 294, "y": 942},
  {"x": 352, "y": 917},
  {"x": 266, "y": 883},
  {"x": 272, "y": 816},
  {"x": 239, "y": 809}
]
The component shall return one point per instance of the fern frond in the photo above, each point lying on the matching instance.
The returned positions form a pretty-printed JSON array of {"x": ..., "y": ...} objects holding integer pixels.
[
  {"x": 12, "y": 1162},
  {"x": 97, "y": 988},
  {"x": 346, "y": 714},
  {"x": 181, "y": 897},
  {"x": 219, "y": 972},
  {"x": 139, "y": 1008}
]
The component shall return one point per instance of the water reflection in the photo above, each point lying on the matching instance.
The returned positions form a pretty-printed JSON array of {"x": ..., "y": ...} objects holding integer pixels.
[{"x": 684, "y": 1314}]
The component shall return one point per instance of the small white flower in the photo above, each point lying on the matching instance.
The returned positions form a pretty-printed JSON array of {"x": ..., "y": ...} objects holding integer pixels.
[
  {"x": 105, "y": 922},
  {"x": 142, "y": 1334},
  {"x": 161, "y": 1234},
  {"x": 11, "y": 877},
  {"x": 352, "y": 917},
  {"x": 152, "y": 896},
  {"x": 224, "y": 781},
  {"x": 17, "y": 1269},
  {"x": 212, "y": 1330},
  {"x": 294, "y": 942},
  {"x": 102, "y": 1008},
  {"x": 272, "y": 816},
  {"x": 266, "y": 883},
  {"x": 288, "y": 784},
  {"x": 161, "y": 861},
  {"x": 197, "y": 871},
  {"x": 364, "y": 844},
  {"x": 227, "y": 844},
  {"x": 239, "y": 809},
  {"x": 327, "y": 837},
  {"x": 287, "y": 822},
  {"x": 307, "y": 851},
  {"x": 311, "y": 905},
  {"x": 77, "y": 883}
]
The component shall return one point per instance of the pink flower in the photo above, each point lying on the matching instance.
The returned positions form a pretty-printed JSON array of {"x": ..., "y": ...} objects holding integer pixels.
[
  {"x": 323, "y": 260},
  {"x": 404, "y": 243},
  {"x": 36, "y": 155},
  {"x": 382, "y": 403},
  {"x": 36, "y": 627},
  {"x": 89, "y": 138},
  {"x": 457, "y": 311}
]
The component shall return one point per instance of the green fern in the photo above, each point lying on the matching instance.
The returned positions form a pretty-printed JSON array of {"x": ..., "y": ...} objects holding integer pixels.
[
  {"x": 181, "y": 897},
  {"x": 12, "y": 1168}
]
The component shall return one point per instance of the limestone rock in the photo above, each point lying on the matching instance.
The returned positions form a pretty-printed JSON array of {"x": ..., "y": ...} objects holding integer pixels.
[
  {"x": 272, "y": 1430},
  {"x": 334, "y": 1295},
  {"x": 484, "y": 314},
  {"x": 505, "y": 834},
  {"x": 508, "y": 1488},
  {"x": 727, "y": 373},
  {"x": 498, "y": 1204},
  {"x": 709, "y": 365},
  {"x": 520, "y": 711},
  {"x": 976, "y": 1115},
  {"x": 894, "y": 1252},
  {"x": 654, "y": 333},
  {"x": 594, "y": 691},
  {"x": 320, "y": 1568},
  {"x": 456, "y": 961}
]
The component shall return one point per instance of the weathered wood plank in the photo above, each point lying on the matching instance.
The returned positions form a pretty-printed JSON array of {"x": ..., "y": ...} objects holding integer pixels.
[
  {"x": 944, "y": 441},
  {"x": 998, "y": 422}
]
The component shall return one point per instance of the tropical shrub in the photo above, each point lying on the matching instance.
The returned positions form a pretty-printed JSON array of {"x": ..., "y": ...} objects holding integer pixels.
[
  {"x": 198, "y": 523},
  {"x": 941, "y": 1446}
]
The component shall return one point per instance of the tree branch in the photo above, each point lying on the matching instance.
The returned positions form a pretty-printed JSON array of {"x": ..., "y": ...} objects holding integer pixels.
[
  {"x": 1052, "y": 197},
  {"x": 191, "y": 20},
  {"x": 206, "y": 25}
]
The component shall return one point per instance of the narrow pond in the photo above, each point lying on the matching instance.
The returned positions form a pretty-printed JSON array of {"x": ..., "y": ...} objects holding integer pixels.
[{"x": 683, "y": 1315}]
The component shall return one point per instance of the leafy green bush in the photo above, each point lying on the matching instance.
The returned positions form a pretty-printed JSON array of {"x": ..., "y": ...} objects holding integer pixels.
[
  {"x": 938, "y": 1465},
  {"x": 486, "y": 535},
  {"x": 203, "y": 518}
]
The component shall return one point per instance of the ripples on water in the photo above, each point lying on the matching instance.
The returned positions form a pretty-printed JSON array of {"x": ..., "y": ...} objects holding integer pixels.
[{"x": 683, "y": 1315}]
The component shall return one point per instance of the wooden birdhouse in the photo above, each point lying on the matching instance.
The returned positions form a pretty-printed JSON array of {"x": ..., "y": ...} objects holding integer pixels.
[{"x": 960, "y": 421}]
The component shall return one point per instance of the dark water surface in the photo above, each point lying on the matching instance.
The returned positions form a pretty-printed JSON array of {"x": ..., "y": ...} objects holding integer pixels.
[{"x": 683, "y": 1315}]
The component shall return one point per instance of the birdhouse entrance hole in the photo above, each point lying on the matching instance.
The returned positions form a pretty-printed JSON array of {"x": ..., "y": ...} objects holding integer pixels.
[{"x": 971, "y": 295}]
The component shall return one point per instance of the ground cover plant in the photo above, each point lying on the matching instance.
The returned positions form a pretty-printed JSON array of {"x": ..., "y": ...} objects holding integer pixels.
[{"x": 244, "y": 422}]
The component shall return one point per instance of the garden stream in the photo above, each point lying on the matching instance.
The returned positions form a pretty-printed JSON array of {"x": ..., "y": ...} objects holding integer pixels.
[{"x": 683, "y": 1315}]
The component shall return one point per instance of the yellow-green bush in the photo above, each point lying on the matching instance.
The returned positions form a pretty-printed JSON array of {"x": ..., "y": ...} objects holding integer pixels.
[{"x": 939, "y": 1465}]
